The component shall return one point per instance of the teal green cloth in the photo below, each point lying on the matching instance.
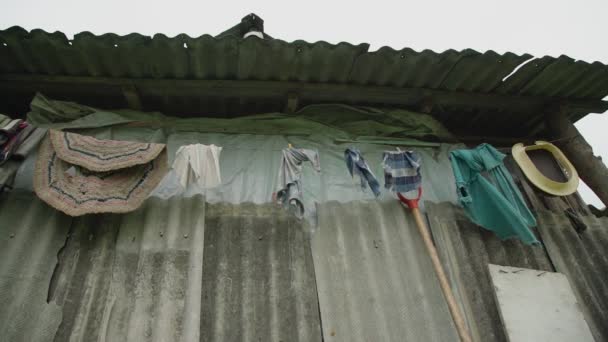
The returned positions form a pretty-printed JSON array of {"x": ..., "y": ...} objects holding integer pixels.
[{"x": 495, "y": 202}]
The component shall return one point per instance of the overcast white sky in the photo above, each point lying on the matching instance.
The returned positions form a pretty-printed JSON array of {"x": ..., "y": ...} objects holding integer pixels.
[{"x": 540, "y": 27}]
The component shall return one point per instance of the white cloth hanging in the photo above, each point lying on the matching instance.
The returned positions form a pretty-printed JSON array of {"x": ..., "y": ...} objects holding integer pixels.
[
  {"x": 198, "y": 164},
  {"x": 195, "y": 168}
]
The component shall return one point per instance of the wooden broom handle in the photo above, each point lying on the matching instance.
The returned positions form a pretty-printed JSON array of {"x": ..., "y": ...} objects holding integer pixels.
[{"x": 443, "y": 280}]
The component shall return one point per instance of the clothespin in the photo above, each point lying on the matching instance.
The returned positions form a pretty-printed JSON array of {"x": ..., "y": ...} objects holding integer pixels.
[{"x": 289, "y": 146}]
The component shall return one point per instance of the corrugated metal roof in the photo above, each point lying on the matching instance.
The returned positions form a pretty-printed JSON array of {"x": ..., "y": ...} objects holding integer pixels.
[
  {"x": 230, "y": 58},
  {"x": 180, "y": 57},
  {"x": 374, "y": 277},
  {"x": 466, "y": 250},
  {"x": 584, "y": 260},
  {"x": 467, "y": 70}
]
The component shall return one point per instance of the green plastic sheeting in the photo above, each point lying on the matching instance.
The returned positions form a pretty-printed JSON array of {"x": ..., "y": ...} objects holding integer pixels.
[
  {"x": 336, "y": 121},
  {"x": 494, "y": 203}
]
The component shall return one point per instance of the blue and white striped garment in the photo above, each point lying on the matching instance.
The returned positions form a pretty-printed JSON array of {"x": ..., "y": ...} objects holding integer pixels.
[
  {"x": 401, "y": 170},
  {"x": 357, "y": 165}
]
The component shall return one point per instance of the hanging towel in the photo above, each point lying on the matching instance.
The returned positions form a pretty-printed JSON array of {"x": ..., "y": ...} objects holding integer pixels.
[
  {"x": 357, "y": 165},
  {"x": 11, "y": 126},
  {"x": 401, "y": 170},
  {"x": 290, "y": 172},
  {"x": 198, "y": 164},
  {"x": 494, "y": 203}
]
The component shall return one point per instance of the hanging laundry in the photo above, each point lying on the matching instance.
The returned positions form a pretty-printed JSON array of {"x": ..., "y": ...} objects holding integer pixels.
[
  {"x": 494, "y": 203},
  {"x": 198, "y": 164},
  {"x": 100, "y": 176},
  {"x": 290, "y": 173},
  {"x": 401, "y": 170},
  {"x": 24, "y": 134},
  {"x": 195, "y": 168},
  {"x": 11, "y": 136},
  {"x": 9, "y": 128},
  {"x": 4, "y": 120},
  {"x": 30, "y": 142},
  {"x": 357, "y": 166}
]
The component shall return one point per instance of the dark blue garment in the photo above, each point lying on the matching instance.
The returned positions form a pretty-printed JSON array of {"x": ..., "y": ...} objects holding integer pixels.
[
  {"x": 401, "y": 170},
  {"x": 358, "y": 166}
]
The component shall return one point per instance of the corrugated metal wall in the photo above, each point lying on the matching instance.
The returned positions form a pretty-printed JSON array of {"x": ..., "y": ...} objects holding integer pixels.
[
  {"x": 31, "y": 234},
  {"x": 466, "y": 250},
  {"x": 374, "y": 277},
  {"x": 258, "y": 276},
  {"x": 134, "y": 277},
  {"x": 184, "y": 270},
  {"x": 141, "y": 276},
  {"x": 584, "y": 260}
]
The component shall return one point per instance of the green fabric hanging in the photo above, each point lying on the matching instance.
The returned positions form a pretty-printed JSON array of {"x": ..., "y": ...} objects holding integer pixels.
[{"x": 494, "y": 203}]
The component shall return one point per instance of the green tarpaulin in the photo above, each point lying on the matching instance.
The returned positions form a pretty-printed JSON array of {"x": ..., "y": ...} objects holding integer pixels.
[{"x": 334, "y": 121}]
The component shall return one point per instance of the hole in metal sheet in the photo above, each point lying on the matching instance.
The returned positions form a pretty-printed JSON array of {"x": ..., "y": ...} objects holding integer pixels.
[
  {"x": 402, "y": 56},
  {"x": 517, "y": 68},
  {"x": 116, "y": 45},
  {"x": 185, "y": 46},
  {"x": 70, "y": 42},
  {"x": 4, "y": 44}
]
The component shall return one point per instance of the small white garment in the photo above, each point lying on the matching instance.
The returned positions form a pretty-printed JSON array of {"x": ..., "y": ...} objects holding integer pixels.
[
  {"x": 195, "y": 168},
  {"x": 198, "y": 164}
]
